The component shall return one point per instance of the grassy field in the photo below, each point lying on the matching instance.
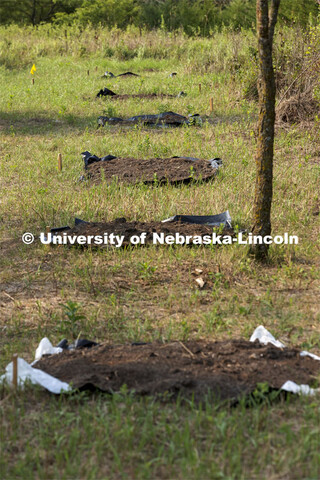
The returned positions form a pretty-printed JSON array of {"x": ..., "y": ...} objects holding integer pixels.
[{"x": 150, "y": 293}]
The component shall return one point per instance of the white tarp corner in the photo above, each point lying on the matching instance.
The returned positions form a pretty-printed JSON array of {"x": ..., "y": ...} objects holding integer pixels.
[
  {"x": 35, "y": 376},
  {"x": 299, "y": 389},
  {"x": 265, "y": 337},
  {"x": 46, "y": 348}
]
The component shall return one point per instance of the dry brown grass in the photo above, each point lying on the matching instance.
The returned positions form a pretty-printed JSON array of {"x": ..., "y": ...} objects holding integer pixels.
[{"x": 297, "y": 108}]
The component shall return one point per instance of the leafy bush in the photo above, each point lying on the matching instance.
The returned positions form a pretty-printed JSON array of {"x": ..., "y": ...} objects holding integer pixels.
[{"x": 194, "y": 17}]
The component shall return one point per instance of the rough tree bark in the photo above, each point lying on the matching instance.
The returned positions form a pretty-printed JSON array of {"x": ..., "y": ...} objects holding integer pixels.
[{"x": 266, "y": 21}]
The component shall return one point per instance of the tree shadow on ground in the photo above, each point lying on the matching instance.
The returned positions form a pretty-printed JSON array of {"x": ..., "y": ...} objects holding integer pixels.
[{"x": 40, "y": 123}]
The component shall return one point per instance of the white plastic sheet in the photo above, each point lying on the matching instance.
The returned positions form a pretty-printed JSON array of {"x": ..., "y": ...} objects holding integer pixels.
[
  {"x": 35, "y": 376},
  {"x": 265, "y": 337},
  {"x": 46, "y": 348},
  {"x": 308, "y": 354},
  {"x": 299, "y": 389}
]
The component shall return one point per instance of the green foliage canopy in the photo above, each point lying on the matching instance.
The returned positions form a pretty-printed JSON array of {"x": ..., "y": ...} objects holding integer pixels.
[{"x": 194, "y": 17}]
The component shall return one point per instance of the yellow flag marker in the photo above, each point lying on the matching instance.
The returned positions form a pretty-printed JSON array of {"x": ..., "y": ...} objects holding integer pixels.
[{"x": 33, "y": 69}]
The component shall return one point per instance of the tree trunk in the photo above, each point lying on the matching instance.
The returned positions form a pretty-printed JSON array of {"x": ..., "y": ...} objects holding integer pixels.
[
  {"x": 33, "y": 14},
  {"x": 267, "y": 94}
]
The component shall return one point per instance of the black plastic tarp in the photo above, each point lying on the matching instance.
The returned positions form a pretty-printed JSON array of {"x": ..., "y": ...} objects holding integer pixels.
[
  {"x": 223, "y": 218},
  {"x": 105, "y": 92},
  {"x": 88, "y": 158},
  {"x": 125, "y": 74},
  {"x": 165, "y": 118},
  {"x": 212, "y": 220}
]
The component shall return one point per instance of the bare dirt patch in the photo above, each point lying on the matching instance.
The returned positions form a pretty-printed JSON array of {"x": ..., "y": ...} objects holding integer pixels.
[
  {"x": 226, "y": 369},
  {"x": 152, "y": 170},
  {"x": 164, "y": 119},
  {"x": 125, "y": 96},
  {"x": 106, "y": 92},
  {"x": 150, "y": 96}
]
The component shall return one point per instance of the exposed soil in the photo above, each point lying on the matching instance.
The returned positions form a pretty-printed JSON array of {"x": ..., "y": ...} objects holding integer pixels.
[
  {"x": 226, "y": 369},
  {"x": 152, "y": 170},
  {"x": 150, "y": 96},
  {"x": 106, "y": 92},
  {"x": 120, "y": 227},
  {"x": 164, "y": 119}
]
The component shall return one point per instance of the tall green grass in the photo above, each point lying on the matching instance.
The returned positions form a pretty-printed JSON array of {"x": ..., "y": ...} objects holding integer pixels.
[{"x": 147, "y": 294}]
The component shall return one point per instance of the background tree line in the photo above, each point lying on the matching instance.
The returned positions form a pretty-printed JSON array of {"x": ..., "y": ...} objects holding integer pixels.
[{"x": 192, "y": 16}]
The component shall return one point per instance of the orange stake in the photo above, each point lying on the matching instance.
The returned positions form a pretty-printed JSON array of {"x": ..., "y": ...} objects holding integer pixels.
[
  {"x": 59, "y": 162},
  {"x": 211, "y": 105}
]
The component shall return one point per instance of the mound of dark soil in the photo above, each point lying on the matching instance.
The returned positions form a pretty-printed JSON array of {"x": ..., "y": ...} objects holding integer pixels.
[
  {"x": 121, "y": 228},
  {"x": 106, "y": 92},
  {"x": 169, "y": 119},
  {"x": 152, "y": 170},
  {"x": 150, "y": 96},
  {"x": 227, "y": 369}
]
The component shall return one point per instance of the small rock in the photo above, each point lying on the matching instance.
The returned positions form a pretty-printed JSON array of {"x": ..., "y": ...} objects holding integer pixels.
[
  {"x": 200, "y": 282},
  {"x": 198, "y": 271}
]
